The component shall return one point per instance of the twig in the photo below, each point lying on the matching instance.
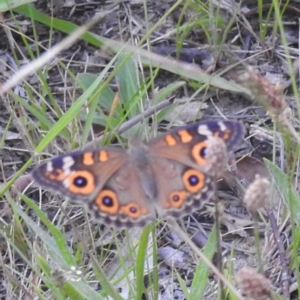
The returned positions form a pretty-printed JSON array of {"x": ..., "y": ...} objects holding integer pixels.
[
  {"x": 127, "y": 125},
  {"x": 285, "y": 277},
  {"x": 219, "y": 248}
]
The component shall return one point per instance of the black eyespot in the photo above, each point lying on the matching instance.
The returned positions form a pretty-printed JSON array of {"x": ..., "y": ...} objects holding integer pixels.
[
  {"x": 203, "y": 152},
  {"x": 221, "y": 134},
  {"x": 175, "y": 198},
  {"x": 193, "y": 180},
  {"x": 108, "y": 201},
  {"x": 133, "y": 209},
  {"x": 80, "y": 181}
]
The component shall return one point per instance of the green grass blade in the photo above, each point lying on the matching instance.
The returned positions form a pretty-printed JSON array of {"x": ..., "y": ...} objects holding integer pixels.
[
  {"x": 4, "y": 132},
  {"x": 49, "y": 282},
  {"x": 183, "y": 286},
  {"x": 6, "y": 5},
  {"x": 38, "y": 114},
  {"x": 108, "y": 288},
  {"x": 57, "y": 249},
  {"x": 106, "y": 98},
  {"x": 56, "y": 244},
  {"x": 289, "y": 193},
  {"x": 128, "y": 82},
  {"x": 183, "y": 69},
  {"x": 140, "y": 261},
  {"x": 155, "y": 277},
  {"x": 202, "y": 271}
]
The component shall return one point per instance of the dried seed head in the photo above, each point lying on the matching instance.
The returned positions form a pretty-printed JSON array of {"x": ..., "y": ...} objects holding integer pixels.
[
  {"x": 216, "y": 157},
  {"x": 253, "y": 284},
  {"x": 257, "y": 194},
  {"x": 269, "y": 95}
]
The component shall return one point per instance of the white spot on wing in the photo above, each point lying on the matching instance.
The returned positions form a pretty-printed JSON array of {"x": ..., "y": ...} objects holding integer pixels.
[
  {"x": 68, "y": 162},
  {"x": 222, "y": 126},
  {"x": 49, "y": 166},
  {"x": 204, "y": 130},
  {"x": 197, "y": 197},
  {"x": 67, "y": 172},
  {"x": 66, "y": 183}
]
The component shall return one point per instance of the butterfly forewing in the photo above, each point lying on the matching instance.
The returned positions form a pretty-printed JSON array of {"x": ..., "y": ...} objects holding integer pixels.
[
  {"x": 187, "y": 144},
  {"x": 79, "y": 175}
]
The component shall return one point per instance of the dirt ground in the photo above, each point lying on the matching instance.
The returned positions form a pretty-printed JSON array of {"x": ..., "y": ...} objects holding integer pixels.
[{"x": 226, "y": 52}]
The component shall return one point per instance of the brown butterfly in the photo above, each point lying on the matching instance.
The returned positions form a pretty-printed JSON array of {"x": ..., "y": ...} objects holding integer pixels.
[{"x": 133, "y": 187}]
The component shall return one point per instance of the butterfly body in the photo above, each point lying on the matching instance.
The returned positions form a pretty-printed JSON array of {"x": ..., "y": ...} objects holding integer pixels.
[{"x": 133, "y": 187}]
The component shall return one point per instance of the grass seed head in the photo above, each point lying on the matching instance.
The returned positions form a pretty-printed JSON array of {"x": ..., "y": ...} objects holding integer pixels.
[
  {"x": 257, "y": 194},
  {"x": 269, "y": 95},
  {"x": 216, "y": 157},
  {"x": 254, "y": 285}
]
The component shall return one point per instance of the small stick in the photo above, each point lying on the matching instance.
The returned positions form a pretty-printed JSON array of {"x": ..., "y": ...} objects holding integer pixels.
[
  {"x": 127, "y": 125},
  {"x": 285, "y": 277}
]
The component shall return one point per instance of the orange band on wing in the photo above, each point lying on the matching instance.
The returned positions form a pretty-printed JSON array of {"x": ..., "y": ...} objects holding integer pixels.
[
  {"x": 88, "y": 159},
  {"x": 185, "y": 136},
  {"x": 170, "y": 140},
  {"x": 59, "y": 175},
  {"x": 133, "y": 210},
  {"x": 176, "y": 199},
  {"x": 225, "y": 135},
  {"x": 103, "y": 155},
  {"x": 107, "y": 201},
  {"x": 193, "y": 180},
  {"x": 197, "y": 154},
  {"x": 81, "y": 182}
]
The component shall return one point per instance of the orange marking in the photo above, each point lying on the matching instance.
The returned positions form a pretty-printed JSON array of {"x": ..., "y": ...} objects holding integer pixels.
[
  {"x": 170, "y": 140},
  {"x": 185, "y": 136},
  {"x": 59, "y": 176},
  {"x": 111, "y": 209},
  {"x": 88, "y": 159},
  {"x": 103, "y": 156},
  {"x": 226, "y": 134},
  {"x": 139, "y": 210},
  {"x": 85, "y": 190},
  {"x": 196, "y": 153},
  {"x": 198, "y": 186},
  {"x": 177, "y": 202}
]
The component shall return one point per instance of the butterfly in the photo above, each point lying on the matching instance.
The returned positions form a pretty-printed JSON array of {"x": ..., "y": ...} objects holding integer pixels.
[{"x": 132, "y": 187}]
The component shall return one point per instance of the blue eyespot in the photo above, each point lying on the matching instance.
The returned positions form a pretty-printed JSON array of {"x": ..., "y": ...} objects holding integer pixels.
[
  {"x": 107, "y": 201},
  {"x": 80, "y": 181},
  {"x": 133, "y": 209},
  {"x": 203, "y": 152},
  {"x": 193, "y": 180},
  {"x": 175, "y": 198}
]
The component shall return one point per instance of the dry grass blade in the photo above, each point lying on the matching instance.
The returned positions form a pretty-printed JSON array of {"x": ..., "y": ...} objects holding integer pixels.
[
  {"x": 207, "y": 261},
  {"x": 48, "y": 55},
  {"x": 141, "y": 68}
]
